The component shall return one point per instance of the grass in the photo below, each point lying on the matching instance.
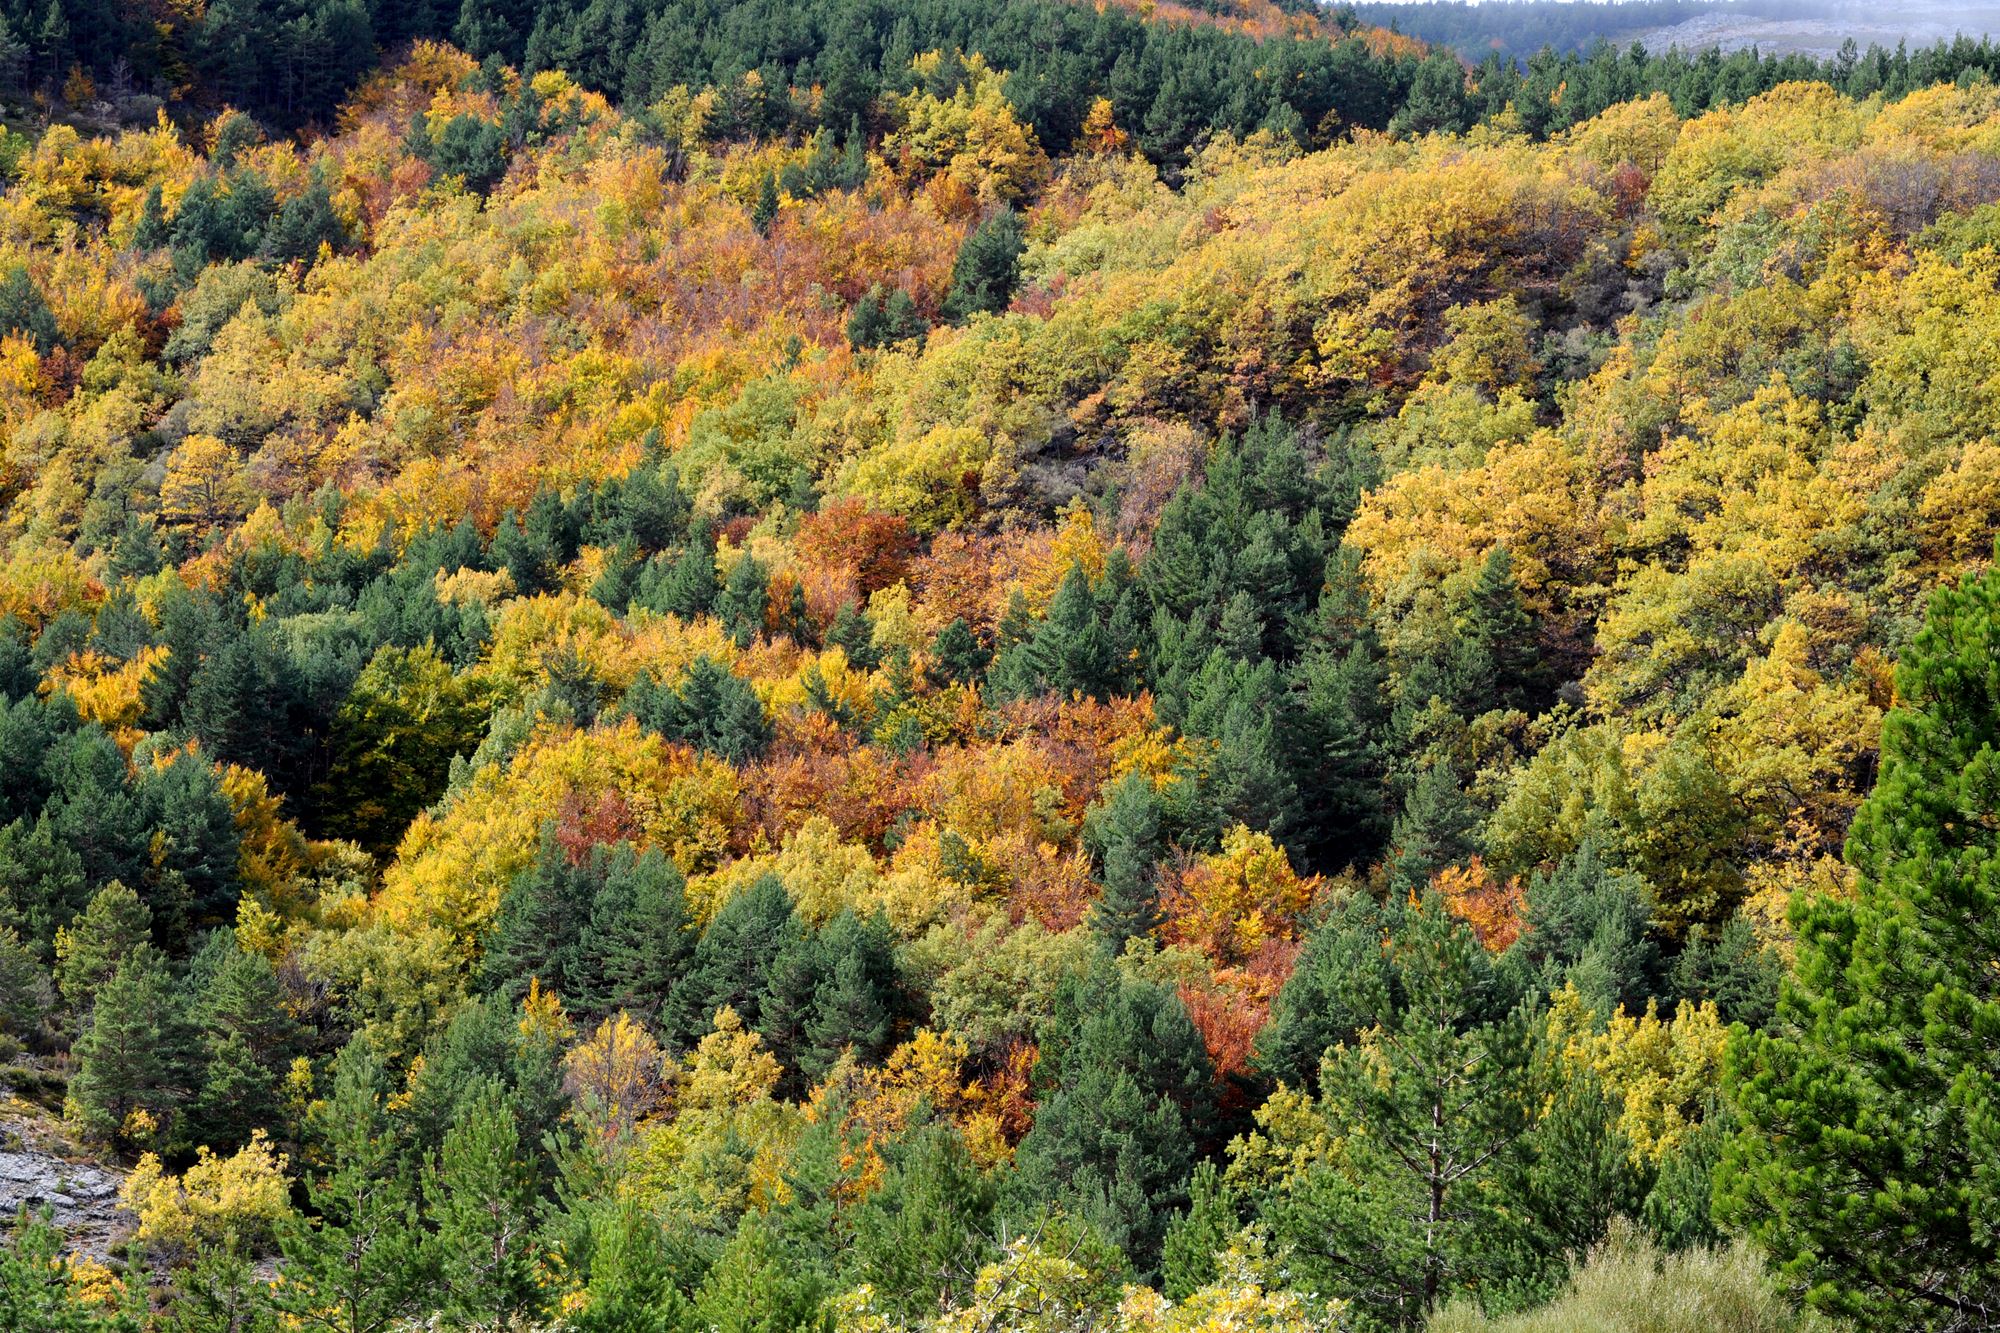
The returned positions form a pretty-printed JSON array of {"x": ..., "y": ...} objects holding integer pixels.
[{"x": 1629, "y": 1286}]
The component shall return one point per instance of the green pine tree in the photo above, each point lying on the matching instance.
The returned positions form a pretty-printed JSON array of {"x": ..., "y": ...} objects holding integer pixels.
[
  {"x": 134, "y": 1055},
  {"x": 1125, "y": 831},
  {"x": 744, "y": 600},
  {"x": 357, "y": 1261},
  {"x": 481, "y": 1196},
  {"x": 538, "y": 929},
  {"x": 24, "y": 311},
  {"x": 1437, "y": 829},
  {"x": 1434, "y": 1108},
  {"x": 1871, "y": 1115},
  {"x": 639, "y": 939},
  {"x": 988, "y": 268}
]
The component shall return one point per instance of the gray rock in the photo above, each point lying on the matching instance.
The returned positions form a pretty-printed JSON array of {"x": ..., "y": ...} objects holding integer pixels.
[{"x": 82, "y": 1197}]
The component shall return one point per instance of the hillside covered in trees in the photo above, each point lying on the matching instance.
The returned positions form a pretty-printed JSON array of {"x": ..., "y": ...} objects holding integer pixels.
[{"x": 944, "y": 668}]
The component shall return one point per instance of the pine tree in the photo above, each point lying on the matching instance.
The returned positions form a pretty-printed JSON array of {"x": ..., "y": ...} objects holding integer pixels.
[
  {"x": 1114, "y": 1139},
  {"x": 151, "y": 231},
  {"x": 920, "y": 1236},
  {"x": 26, "y": 994},
  {"x": 90, "y": 949},
  {"x": 1870, "y": 1112},
  {"x": 867, "y": 327},
  {"x": 41, "y": 880},
  {"x": 23, "y": 311},
  {"x": 744, "y": 600},
  {"x": 956, "y": 655},
  {"x": 1197, "y": 1237},
  {"x": 1434, "y": 1111},
  {"x": 765, "y": 210},
  {"x": 988, "y": 268},
  {"x": 538, "y": 929},
  {"x": 36, "y": 1291},
  {"x": 684, "y": 586},
  {"x": 1436, "y": 829},
  {"x": 639, "y": 939},
  {"x": 755, "y": 1286},
  {"x": 1315, "y": 1009},
  {"x": 1125, "y": 830},
  {"x": 481, "y": 1196},
  {"x": 306, "y": 222},
  {"x": 134, "y": 1055},
  {"x": 1588, "y": 924},
  {"x": 357, "y": 1261},
  {"x": 854, "y": 1005},
  {"x": 713, "y": 709},
  {"x": 734, "y": 959},
  {"x": 220, "y": 1292},
  {"x": 632, "y": 1275},
  {"x": 1506, "y": 637},
  {"x": 249, "y": 1039}
]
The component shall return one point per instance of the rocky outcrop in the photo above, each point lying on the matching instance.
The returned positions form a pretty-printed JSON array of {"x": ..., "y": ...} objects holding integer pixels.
[{"x": 81, "y": 1196}]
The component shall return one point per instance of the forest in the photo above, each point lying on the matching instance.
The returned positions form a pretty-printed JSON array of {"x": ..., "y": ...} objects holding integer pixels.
[{"x": 942, "y": 667}]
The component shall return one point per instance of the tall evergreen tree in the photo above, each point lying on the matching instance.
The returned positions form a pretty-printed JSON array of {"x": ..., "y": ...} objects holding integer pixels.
[
  {"x": 1869, "y": 1116},
  {"x": 1125, "y": 831},
  {"x": 134, "y": 1057},
  {"x": 1436, "y": 829},
  {"x": 1130, "y": 1085},
  {"x": 988, "y": 268},
  {"x": 639, "y": 938},
  {"x": 539, "y": 927},
  {"x": 481, "y": 1195},
  {"x": 1434, "y": 1109}
]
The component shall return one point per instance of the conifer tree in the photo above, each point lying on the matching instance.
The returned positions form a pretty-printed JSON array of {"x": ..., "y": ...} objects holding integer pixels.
[
  {"x": 1434, "y": 1111},
  {"x": 26, "y": 994},
  {"x": 712, "y": 709},
  {"x": 1869, "y": 1124},
  {"x": 956, "y": 656},
  {"x": 639, "y": 938},
  {"x": 249, "y": 1038},
  {"x": 854, "y": 635},
  {"x": 1114, "y": 1139},
  {"x": 41, "y": 880},
  {"x": 151, "y": 231},
  {"x": 988, "y": 268},
  {"x": 1436, "y": 829},
  {"x": 538, "y": 929},
  {"x": 683, "y": 586},
  {"x": 734, "y": 958},
  {"x": 744, "y": 600},
  {"x": 1198, "y": 1236},
  {"x": 854, "y": 1005},
  {"x": 481, "y": 1195},
  {"x": 135, "y": 1054},
  {"x": 90, "y": 948},
  {"x": 920, "y": 1236},
  {"x": 1125, "y": 830},
  {"x": 24, "y": 311},
  {"x": 1587, "y": 923}
]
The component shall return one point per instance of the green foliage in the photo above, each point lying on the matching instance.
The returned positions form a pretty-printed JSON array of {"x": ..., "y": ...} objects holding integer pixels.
[
  {"x": 35, "y": 1289},
  {"x": 922, "y": 1234},
  {"x": 481, "y": 1196},
  {"x": 23, "y": 311},
  {"x": 1129, "y": 1088},
  {"x": 359, "y": 1261},
  {"x": 1867, "y": 1112},
  {"x": 1126, "y": 831},
  {"x": 988, "y": 268},
  {"x": 134, "y": 1056},
  {"x": 711, "y": 709}
]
